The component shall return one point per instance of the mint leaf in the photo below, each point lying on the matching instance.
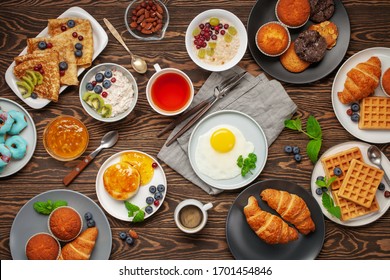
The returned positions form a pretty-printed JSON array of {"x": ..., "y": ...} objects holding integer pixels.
[
  {"x": 331, "y": 180},
  {"x": 139, "y": 217},
  {"x": 321, "y": 183},
  {"x": 46, "y": 207},
  {"x": 335, "y": 211},
  {"x": 131, "y": 207},
  {"x": 59, "y": 203},
  {"x": 130, "y": 214},
  {"x": 313, "y": 149},
  {"x": 313, "y": 128},
  {"x": 293, "y": 124},
  {"x": 328, "y": 203}
]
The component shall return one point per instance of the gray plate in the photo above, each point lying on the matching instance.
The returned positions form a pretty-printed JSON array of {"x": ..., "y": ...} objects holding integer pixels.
[
  {"x": 28, "y": 222},
  {"x": 243, "y": 242}
]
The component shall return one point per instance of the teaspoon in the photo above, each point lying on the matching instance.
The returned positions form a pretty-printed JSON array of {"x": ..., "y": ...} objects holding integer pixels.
[{"x": 375, "y": 156}]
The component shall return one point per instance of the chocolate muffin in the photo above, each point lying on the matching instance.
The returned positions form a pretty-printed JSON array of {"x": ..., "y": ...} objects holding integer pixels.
[
  {"x": 321, "y": 10},
  {"x": 310, "y": 46}
]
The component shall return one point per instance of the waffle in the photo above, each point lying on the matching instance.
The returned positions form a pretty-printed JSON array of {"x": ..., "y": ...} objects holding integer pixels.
[
  {"x": 375, "y": 113},
  {"x": 351, "y": 210},
  {"x": 342, "y": 160},
  {"x": 360, "y": 183}
]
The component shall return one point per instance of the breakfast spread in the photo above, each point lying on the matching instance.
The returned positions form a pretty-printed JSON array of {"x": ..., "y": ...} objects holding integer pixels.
[{"x": 293, "y": 13}]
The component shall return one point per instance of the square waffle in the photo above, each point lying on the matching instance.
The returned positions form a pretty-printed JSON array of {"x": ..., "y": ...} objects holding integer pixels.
[
  {"x": 350, "y": 210},
  {"x": 360, "y": 183},
  {"x": 342, "y": 160},
  {"x": 375, "y": 113}
]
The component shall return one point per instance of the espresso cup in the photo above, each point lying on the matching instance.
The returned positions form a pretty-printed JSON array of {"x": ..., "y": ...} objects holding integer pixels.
[
  {"x": 169, "y": 91},
  {"x": 191, "y": 215}
]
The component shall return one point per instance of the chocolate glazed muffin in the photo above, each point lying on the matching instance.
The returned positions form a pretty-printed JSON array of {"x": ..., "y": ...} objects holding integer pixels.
[
  {"x": 321, "y": 10},
  {"x": 310, "y": 46}
]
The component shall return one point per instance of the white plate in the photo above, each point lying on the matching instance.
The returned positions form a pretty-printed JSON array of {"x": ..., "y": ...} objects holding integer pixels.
[
  {"x": 252, "y": 133},
  {"x": 29, "y": 134},
  {"x": 100, "y": 40},
  {"x": 116, "y": 208},
  {"x": 372, "y": 136},
  {"x": 384, "y": 203}
]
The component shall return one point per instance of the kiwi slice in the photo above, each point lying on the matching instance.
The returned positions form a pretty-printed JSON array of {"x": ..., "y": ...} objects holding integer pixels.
[
  {"x": 97, "y": 102},
  {"x": 24, "y": 88},
  {"x": 87, "y": 95},
  {"x": 29, "y": 82},
  {"x": 32, "y": 76},
  {"x": 106, "y": 111},
  {"x": 39, "y": 77}
]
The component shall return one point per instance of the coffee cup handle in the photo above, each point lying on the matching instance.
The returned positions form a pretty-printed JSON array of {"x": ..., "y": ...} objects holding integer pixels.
[
  {"x": 207, "y": 206},
  {"x": 157, "y": 67}
]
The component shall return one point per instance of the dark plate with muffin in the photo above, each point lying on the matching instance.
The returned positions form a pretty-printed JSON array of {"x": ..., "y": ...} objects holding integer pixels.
[{"x": 308, "y": 59}]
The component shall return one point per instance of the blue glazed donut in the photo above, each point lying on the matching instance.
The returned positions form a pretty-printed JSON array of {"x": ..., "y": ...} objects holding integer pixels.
[
  {"x": 2, "y": 138},
  {"x": 19, "y": 124},
  {"x": 6, "y": 122},
  {"x": 5, "y": 156},
  {"x": 17, "y": 145}
]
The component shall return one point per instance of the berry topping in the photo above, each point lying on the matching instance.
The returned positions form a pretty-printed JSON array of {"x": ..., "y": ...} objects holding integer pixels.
[
  {"x": 201, "y": 26},
  {"x": 94, "y": 83},
  {"x": 104, "y": 94},
  {"x": 106, "y": 84},
  {"x": 296, "y": 150},
  {"x": 349, "y": 112},
  {"x": 148, "y": 209},
  {"x": 381, "y": 187},
  {"x": 81, "y": 38},
  {"x": 226, "y": 26},
  {"x": 42, "y": 71},
  {"x": 288, "y": 149},
  {"x": 78, "y": 53},
  {"x": 49, "y": 45},
  {"x": 36, "y": 68},
  {"x": 89, "y": 86},
  {"x": 88, "y": 216},
  {"x": 319, "y": 191},
  {"x": 63, "y": 28},
  {"x": 149, "y": 200},
  {"x": 298, "y": 157},
  {"x": 42, "y": 45},
  {"x": 337, "y": 171},
  {"x": 63, "y": 65},
  {"x": 91, "y": 223},
  {"x": 108, "y": 74},
  {"x": 99, "y": 77},
  {"x": 154, "y": 164},
  {"x": 113, "y": 80},
  {"x": 156, "y": 203},
  {"x": 161, "y": 188},
  {"x": 122, "y": 235},
  {"x": 74, "y": 34},
  {"x": 355, "y": 107},
  {"x": 222, "y": 32},
  {"x": 152, "y": 189},
  {"x": 98, "y": 89},
  {"x": 355, "y": 117},
  {"x": 62, "y": 73},
  {"x": 320, "y": 178},
  {"x": 129, "y": 240},
  {"x": 34, "y": 95},
  {"x": 39, "y": 66},
  {"x": 78, "y": 46},
  {"x": 158, "y": 196},
  {"x": 71, "y": 23}
]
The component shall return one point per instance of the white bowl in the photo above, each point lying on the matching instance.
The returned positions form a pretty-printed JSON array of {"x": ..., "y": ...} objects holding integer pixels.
[
  {"x": 90, "y": 74},
  {"x": 234, "y": 21}
]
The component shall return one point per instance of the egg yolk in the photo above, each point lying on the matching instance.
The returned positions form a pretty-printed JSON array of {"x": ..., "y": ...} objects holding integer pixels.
[{"x": 222, "y": 140}]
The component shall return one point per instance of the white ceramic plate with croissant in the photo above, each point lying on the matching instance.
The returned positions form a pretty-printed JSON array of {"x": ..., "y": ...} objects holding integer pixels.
[{"x": 372, "y": 136}]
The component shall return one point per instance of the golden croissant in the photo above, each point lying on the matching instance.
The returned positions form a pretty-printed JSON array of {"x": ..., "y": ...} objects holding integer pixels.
[
  {"x": 270, "y": 228},
  {"x": 362, "y": 80},
  {"x": 291, "y": 208},
  {"x": 82, "y": 247}
]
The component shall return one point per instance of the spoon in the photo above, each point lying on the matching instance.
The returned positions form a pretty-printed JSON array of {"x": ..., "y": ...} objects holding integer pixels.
[
  {"x": 108, "y": 140},
  {"x": 137, "y": 62},
  {"x": 375, "y": 156}
]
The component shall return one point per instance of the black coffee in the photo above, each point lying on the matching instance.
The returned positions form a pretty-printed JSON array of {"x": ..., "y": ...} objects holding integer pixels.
[{"x": 190, "y": 216}]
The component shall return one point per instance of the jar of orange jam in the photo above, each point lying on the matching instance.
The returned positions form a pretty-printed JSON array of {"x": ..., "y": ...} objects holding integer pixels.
[{"x": 65, "y": 138}]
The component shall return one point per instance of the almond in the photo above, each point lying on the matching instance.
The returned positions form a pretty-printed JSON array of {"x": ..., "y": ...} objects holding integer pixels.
[{"x": 133, "y": 234}]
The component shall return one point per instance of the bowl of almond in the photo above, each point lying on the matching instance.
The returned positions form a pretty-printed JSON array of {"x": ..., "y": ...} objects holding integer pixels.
[{"x": 147, "y": 19}]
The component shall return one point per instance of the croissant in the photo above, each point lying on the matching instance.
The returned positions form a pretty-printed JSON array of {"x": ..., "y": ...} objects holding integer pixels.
[
  {"x": 270, "y": 228},
  {"x": 362, "y": 80},
  {"x": 291, "y": 208},
  {"x": 82, "y": 247}
]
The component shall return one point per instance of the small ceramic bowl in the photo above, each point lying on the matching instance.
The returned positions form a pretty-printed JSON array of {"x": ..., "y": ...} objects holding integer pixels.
[
  {"x": 90, "y": 76},
  {"x": 282, "y": 51},
  {"x": 131, "y": 16}
]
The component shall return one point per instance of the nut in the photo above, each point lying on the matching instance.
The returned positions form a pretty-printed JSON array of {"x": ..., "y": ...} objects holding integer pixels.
[
  {"x": 133, "y": 234},
  {"x": 147, "y": 17}
]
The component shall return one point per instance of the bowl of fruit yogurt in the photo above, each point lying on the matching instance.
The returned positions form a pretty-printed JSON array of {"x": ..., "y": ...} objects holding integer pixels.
[{"x": 216, "y": 40}]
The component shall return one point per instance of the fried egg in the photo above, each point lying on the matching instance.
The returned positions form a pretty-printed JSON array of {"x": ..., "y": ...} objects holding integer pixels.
[
  {"x": 143, "y": 164},
  {"x": 218, "y": 149}
]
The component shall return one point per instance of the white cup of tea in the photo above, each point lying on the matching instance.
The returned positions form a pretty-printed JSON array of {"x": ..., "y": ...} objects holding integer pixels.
[
  {"x": 169, "y": 91},
  {"x": 191, "y": 215}
]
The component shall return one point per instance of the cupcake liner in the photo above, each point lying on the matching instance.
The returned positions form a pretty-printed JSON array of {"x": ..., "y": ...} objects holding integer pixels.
[
  {"x": 65, "y": 240},
  {"x": 382, "y": 87},
  {"x": 289, "y": 26},
  {"x": 58, "y": 243},
  {"x": 288, "y": 44}
]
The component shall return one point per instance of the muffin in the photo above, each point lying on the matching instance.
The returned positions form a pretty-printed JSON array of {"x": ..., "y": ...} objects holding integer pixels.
[
  {"x": 43, "y": 246},
  {"x": 385, "y": 82},
  {"x": 292, "y": 62},
  {"x": 310, "y": 46},
  {"x": 272, "y": 39},
  {"x": 65, "y": 223},
  {"x": 321, "y": 10},
  {"x": 293, "y": 13}
]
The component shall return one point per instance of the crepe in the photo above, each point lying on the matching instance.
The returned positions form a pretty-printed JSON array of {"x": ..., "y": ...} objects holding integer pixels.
[
  {"x": 50, "y": 87},
  {"x": 65, "y": 51},
  {"x": 54, "y": 26}
]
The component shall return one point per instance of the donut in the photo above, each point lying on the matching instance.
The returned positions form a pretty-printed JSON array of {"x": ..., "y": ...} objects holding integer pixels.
[
  {"x": 5, "y": 156},
  {"x": 19, "y": 124},
  {"x": 2, "y": 138},
  {"x": 310, "y": 46},
  {"x": 17, "y": 145},
  {"x": 6, "y": 122}
]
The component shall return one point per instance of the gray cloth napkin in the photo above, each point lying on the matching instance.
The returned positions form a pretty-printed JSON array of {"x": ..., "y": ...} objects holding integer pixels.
[{"x": 265, "y": 101}]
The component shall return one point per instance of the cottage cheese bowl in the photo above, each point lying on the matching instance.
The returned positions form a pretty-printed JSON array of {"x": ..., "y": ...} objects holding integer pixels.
[
  {"x": 222, "y": 49},
  {"x": 108, "y": 92}
]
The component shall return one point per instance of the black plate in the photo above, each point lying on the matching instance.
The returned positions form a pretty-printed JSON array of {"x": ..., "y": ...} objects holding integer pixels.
[
  {"x": 243, "y": 242},
  {"x": 264, "y": 11}
]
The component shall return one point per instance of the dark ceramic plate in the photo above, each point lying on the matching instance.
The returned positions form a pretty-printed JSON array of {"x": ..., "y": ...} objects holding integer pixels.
[
  {"x": 264, "y": 11},
  {"x": 244, "y": 244}
]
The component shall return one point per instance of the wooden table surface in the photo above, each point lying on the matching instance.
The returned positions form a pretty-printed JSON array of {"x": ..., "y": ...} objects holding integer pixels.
[{"x": 159, "y": 237}]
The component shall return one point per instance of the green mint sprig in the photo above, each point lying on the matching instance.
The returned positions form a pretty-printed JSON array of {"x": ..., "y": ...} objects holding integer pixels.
[
  {"x": 313, "y": 131},
  {"x": 327, "y": 200},
  {"x": 247, "y": 164},
  {"x": 46, "y": 207},
  {"x": 134, "y": 211}
]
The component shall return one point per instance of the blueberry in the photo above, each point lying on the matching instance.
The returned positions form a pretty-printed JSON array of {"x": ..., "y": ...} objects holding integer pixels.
[
  {"x": 108, "y": 74},
  {"x": 71, "y": 23},
  {"x": 355, "y": 117},
  {"x": 152, "y": 189},
  {"x": 298, "y": 157},
  {"x": 355, "y": 107},
  {"x": 91, "y": 223},
  {"x": 99, "y": 77},
  {"x": 89, "y": 86},
  {"x": 337, "y": 171},
  {"x": 122, "y": 235},
  {"x": 78, "y": 46},
  {"x": 158, "y": 196},
  {"x": 98, "y": 89},
  {"x": 324, "y": 189},
  {"x": 161, "y": 188},
  {"x": 149, "y": 200},
  {"x": 63, "y": 65},
  {"x": 320, "y": 178},
  {"x": 78, "y": 53},
  {"x": 34, "y": 95},
  {"x": 319, "y": 191},
  {"x": 129, "y": 240},
  {"x": 148, "y": 209},
  {"x": 381, "y": 187},
  {"x": 106, "y": 84},
  {"x": 42, "y": 45},
  {"x": 296, "y": 150},
  {"x": 288, "y": 149},
  {"x": 88, "y": 216}
]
